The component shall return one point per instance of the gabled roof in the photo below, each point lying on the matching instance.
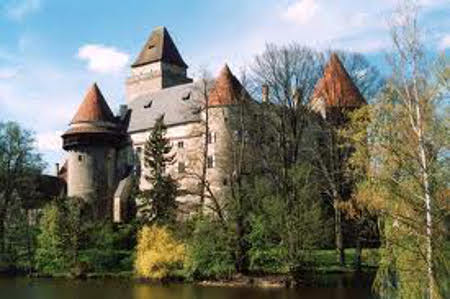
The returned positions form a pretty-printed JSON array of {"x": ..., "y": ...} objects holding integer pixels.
[
  {"x": 159, "y": 48},
  {"x": 226, "y": 89},
  {"x": 336, "y": 87},
  {"x": 93, "y": 108}
]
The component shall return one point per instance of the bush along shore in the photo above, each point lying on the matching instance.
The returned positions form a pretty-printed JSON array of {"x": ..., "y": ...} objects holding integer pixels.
[{"x": 156, "y": 254}]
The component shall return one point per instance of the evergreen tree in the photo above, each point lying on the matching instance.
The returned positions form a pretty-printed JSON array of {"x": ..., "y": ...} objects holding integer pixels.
[{"x": 159, "y": 203}]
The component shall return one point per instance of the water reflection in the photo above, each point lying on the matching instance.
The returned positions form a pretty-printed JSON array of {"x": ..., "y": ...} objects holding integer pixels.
[{"x": 332, "y": 286}]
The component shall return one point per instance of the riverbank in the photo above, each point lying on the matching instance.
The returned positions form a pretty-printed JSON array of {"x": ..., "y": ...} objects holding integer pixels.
[{"x": 325, "y": 264}]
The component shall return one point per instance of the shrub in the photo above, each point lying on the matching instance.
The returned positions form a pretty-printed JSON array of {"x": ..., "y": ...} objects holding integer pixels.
[
  {"x": 210, "y": 253},
  {"x": 267, "y": 253},
  {"x": 50, "y": 256},
  {"x": 158, "y": 253}
]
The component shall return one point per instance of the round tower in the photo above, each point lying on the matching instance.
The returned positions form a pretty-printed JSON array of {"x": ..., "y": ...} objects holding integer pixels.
[{"x": 92, "y": 142}]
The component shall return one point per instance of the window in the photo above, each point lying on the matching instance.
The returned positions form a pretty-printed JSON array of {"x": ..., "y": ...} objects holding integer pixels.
[
  {"x": 181, "y": 167},
  {"x": 225, "y": 181},
  {"x": 210, "y": 162},
  {"x": 211, "y": 137},
  {"x": 180, "y": 144},
  {"x": 80, "y": 158}
]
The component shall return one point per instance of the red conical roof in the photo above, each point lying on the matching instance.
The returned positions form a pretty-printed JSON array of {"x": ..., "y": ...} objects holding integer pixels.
[
  {"x": 94, "y": 108},
  {"x": 336, "y": 87},
  {"x": 226, "y": 89}
]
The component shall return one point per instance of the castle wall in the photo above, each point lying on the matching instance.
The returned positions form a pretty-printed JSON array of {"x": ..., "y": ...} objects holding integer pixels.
[
  {"x": 91, "y": 174},
  {"x": 191, "y": 154},
  {"x": 154, "y": 77}
]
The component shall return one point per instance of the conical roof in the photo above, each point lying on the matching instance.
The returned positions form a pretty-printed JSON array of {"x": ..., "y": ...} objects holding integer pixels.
[
  {"x": 336, "y": 87},
  {"x": 226, "y": 89},
  {"x": 93, "y": 108},
  {"x": 159, "y": 48}
]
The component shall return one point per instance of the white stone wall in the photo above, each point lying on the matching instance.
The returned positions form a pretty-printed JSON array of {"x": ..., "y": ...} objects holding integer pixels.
[{"x": 193, "y": 138}]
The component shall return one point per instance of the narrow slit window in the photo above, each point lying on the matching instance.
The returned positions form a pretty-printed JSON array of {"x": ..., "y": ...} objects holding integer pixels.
[
  {"x": 210, "y": 162},
  {"x": 181, "y": 167}
]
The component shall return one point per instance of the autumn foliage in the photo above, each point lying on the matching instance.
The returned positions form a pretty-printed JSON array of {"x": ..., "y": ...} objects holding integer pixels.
[{"x": 157, "y": 253}]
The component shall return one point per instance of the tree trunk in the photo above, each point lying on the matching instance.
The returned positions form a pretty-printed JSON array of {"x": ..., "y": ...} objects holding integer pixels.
[
  {"x": 358, "y": 253},
  {"x": 339, "y": 238},
  {"x": 2, "y": 232},
  {"x": 241, "y": 256}
]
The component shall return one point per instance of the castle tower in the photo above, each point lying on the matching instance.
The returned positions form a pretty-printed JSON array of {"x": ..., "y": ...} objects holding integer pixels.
[
  {"x": 92, "y": 142},
  {"x": 158, "y": 66},
  {"x": 335, "y": 92}
]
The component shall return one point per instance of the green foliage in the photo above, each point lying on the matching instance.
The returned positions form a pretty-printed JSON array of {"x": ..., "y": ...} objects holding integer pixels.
[
  {"x": 159, "y": 203},
  {"x": 210, "y": 251},
  {"x": 107, "y": 248},
  {"x": 50, "y": 256},
  {"x": 20, "y": 238},
  {"x": 267, "y": 252},
  {"x": 19, "y": 164},
  {"x": 284, "y": 230},
  {"x": 60, "y": 237}
]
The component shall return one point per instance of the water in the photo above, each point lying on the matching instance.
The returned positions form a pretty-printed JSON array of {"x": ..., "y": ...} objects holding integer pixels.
[{"x": 331, "y": 286}]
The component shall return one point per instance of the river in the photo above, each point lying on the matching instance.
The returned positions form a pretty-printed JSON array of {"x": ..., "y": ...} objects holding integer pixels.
[{"x": 331, "y": 286}]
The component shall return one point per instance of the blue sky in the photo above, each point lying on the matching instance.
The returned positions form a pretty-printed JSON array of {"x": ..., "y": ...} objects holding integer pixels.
[{"x": 52, "y": 50}]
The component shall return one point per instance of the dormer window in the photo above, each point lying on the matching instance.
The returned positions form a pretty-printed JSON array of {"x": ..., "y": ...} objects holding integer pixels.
[
  {"x": 149, "y": 104},
  {"x": 186, "y": 96}
]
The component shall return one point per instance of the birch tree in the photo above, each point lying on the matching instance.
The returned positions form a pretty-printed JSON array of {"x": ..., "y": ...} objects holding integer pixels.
[{"x": 405, "y": 165}]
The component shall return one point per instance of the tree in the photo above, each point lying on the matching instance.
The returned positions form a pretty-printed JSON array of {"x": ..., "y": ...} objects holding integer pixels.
[
  {"x": 18, "y": 163},
  {"x": 404, "y": 166},
  {"x": 283, "y": 136},
  {"x": 61, "y": 235},
  {"x": 159, "y": 202}
]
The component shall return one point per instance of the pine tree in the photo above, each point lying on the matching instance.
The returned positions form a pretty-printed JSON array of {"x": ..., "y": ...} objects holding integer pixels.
[{"x": 159, "y": 203}]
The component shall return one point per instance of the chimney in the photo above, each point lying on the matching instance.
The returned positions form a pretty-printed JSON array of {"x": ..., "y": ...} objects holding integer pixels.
[
  {"x": 265, "y": 93},
  {"x": 123, "y": 110},
  {"x": 297, "y": 97},
  {"x": 57, "y": 168}
]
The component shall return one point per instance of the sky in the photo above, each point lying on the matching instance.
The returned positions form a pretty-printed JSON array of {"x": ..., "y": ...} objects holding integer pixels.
[{"x": 51, "y": 51}]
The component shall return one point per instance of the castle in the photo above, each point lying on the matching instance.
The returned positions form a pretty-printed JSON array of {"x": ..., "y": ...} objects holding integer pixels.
[{"x": 104, "y": 150}]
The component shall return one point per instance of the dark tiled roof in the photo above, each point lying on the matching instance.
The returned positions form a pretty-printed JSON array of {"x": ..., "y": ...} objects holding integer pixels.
[
  {"x": 178, "y": 104},
  {"x": 159, "y": 47},
  {"x": 336, "y": 87},
  {"x": 94, "y": 108}
]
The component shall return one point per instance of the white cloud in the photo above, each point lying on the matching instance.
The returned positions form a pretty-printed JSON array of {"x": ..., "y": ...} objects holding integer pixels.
[
  {"x": 49, "y": 141},
  {"x": 18, "y": 9},
  {"x": 301, "y": 12},
  {"x": 102, "y": 59},
  {"x": 445, "y": 42}
]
